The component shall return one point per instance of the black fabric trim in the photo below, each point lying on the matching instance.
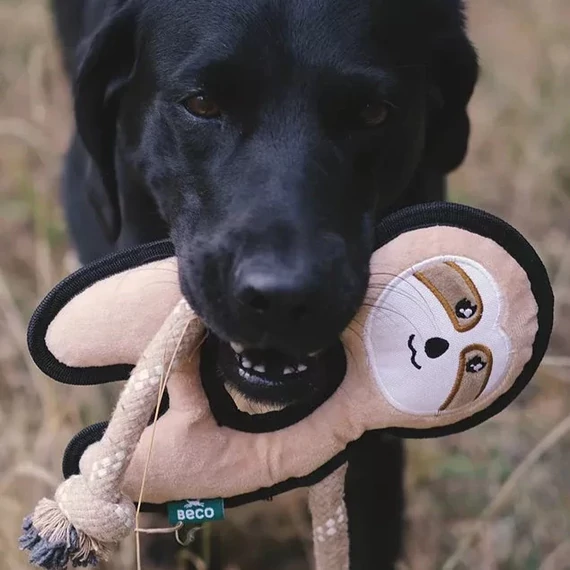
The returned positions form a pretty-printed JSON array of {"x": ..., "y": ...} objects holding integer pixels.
[
  {"x": 77, "y": 446},
  {"x": 69, "y": 288}
]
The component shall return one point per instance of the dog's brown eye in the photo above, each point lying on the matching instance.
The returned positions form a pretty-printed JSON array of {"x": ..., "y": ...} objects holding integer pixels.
[
  {"x": 374, "y": 114},
  {"x": 202, "y": 106}
]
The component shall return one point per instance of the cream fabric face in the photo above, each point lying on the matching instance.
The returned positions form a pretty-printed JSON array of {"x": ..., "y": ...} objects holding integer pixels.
[{"x": 434, "y": 339}]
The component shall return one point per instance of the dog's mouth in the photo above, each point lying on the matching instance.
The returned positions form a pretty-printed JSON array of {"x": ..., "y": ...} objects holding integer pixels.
[
  {"x": 267, "y": 380},
  {"x": 254, "y": 386}
]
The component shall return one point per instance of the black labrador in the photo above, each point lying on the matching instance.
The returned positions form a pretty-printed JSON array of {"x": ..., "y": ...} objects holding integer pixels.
[{"x": 266, "y": 138}]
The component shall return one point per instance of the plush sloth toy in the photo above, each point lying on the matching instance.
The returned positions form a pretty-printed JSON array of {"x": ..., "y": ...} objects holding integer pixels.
[{"x": 456, "y": 321}]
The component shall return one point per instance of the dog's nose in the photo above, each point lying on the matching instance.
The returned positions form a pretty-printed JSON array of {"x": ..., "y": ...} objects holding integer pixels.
[{"x": 275, "y": 295}]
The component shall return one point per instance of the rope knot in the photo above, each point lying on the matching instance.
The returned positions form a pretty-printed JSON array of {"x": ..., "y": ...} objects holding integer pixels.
[
  {"x": 109, "y": 519},
  {"x": 79, "y": 527}
]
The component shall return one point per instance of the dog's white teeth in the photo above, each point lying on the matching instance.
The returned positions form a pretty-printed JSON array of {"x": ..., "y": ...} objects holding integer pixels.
[
  {"x": 288, "y": 370},
  {"x": 243, "y": 373},
  {"x": 302, "y": 368},
  {"x": 260, "y": 368},
  {"x": 237, "y": 347},
  {"x": 246, "y": 363}
]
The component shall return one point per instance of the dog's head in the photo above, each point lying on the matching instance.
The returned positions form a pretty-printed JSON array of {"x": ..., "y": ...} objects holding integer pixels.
[{"x": 272, "y": 134}]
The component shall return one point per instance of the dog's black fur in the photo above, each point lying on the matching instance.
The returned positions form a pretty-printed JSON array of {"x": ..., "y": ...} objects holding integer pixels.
[{"x": 271, "y": 205}]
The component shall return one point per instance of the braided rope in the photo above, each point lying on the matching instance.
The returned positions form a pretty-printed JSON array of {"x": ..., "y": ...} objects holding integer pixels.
[
  {"x": 330, "y": 522},
  {"x": 90, "y": 513}
]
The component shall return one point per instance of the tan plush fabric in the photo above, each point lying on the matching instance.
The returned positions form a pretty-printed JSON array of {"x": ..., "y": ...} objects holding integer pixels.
[
  {"x": 192, "y": 456},
  {"x": 221, "y": 462},
  {"x": 113, "y": 320}
]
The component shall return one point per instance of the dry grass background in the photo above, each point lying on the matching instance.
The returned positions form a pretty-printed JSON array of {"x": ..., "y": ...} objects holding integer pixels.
[{"x": 492, "y": 485}]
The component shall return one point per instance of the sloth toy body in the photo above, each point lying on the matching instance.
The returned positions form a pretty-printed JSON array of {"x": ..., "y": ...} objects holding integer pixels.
[{"x": 456, "y": 320}]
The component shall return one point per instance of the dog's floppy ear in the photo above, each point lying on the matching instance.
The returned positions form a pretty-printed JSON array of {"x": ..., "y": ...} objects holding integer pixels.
[
  {"x": 454, "y": 74},
  {"x": 107, "y": 60}
]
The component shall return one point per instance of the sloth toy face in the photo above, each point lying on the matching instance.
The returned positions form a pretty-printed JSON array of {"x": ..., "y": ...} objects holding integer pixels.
[{"x": 434, "y": 339}]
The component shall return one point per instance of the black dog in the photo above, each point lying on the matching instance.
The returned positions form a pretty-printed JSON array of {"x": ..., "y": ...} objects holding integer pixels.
[{"x": 266, "y": 138}]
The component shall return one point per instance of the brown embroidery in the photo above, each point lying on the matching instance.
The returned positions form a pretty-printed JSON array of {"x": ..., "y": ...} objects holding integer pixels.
[
  {"x": 470, "y": 384},
  {"x": 456, "y": 292}
]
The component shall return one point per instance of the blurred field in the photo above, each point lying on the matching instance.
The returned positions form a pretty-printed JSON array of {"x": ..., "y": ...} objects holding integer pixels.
[{"x": 463, "y": 486}]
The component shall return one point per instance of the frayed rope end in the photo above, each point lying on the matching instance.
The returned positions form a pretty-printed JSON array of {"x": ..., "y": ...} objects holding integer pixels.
[{"x": 53, "y": 542}]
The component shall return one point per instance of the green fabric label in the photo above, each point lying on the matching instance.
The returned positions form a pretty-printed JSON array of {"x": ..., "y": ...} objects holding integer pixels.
[{"x": 196, "y": 511}]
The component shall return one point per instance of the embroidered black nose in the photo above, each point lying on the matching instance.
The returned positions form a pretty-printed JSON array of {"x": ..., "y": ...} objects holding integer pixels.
[{"x": 436, "y": 347}]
